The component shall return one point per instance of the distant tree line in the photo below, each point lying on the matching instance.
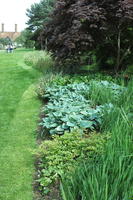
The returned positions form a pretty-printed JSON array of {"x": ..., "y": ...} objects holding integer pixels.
[{"x": 4, "y": 42}]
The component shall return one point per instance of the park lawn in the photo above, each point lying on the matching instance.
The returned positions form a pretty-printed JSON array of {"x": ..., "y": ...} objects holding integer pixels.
[{"x": 19, "y": 110}]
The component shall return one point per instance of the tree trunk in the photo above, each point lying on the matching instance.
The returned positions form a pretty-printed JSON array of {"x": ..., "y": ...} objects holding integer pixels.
[{"x": 46, "y": 44}]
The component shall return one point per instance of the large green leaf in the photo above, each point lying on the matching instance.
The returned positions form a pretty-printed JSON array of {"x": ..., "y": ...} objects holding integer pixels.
[{"x": 86, "y": 124}]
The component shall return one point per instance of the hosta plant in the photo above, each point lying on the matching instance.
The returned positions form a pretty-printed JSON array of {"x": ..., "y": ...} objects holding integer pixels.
[{"x": 69, "y": 106}]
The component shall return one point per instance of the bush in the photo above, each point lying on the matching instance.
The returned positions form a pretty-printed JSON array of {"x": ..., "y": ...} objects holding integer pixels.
[
  {"x": 62, "y": 154},
  {"x": 40, "y": 60}
]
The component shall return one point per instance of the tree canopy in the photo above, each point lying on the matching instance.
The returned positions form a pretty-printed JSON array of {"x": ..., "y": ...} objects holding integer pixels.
[
  {"x": 79, "y": 26},
  {"x": 5, "y": 41},
  {"x": 38, "y": 15},
  {"x": 25, "y": 39}
]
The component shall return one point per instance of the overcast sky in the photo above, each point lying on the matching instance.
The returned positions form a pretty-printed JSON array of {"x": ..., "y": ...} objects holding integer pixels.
[{"x": 13, "y": 12}]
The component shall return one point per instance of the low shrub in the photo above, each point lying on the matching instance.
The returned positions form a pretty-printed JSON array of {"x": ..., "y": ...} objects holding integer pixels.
[
  {"x": 40, "y": 60},
  {"x": 63, "y": 153}
]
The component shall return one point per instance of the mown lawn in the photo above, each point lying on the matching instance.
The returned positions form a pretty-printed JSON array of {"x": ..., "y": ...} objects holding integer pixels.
[{"x": 19, "y": 110}]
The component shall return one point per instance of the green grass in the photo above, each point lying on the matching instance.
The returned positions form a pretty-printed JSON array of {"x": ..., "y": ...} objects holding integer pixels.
[{"x": 19, "y": 110}]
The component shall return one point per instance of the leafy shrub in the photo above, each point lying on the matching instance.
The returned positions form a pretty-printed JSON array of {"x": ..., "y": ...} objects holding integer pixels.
[
  {"x": 40, "y": 60},
  {"x": 62, "y": 154},
  {"x": 68, "y": 107}
]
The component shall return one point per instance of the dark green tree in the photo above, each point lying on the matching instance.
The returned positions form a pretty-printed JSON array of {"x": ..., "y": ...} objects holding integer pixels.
[
  {"x": 38, "y": 16},
  {"x": 5, "y": 41},
  {"x": 25, "y": 39}
]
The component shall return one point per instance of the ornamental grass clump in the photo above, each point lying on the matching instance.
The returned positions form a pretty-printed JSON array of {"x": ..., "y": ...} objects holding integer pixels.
[
  {"x": 40, "y": 60},
  {"x": 103, "y": 91}
]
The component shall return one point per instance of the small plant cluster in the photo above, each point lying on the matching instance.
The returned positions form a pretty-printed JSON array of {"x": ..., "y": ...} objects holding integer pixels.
[
  {"x": 69, "y": 108},
  {"x": 62, "y": 154},
  {"x": 51, "y": 78},
  {"x": 47, "y": 81},
  {"x": 114, "y": 88},
  {"x": 40, "y": 60}
]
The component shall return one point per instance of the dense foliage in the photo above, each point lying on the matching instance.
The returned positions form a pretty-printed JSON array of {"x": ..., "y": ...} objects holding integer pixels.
[
  {"x": 111, "y": 176},
  {"x": 25, "y": 39},
  {"x": 79, "y": 101},
  {"x": 62, "y": 154},
  {"x": 38, "y": 15},
  {"x": 4, "y": 42},
  {"x": 79, "y": 26},
  {"x": 70, "y": 106}
]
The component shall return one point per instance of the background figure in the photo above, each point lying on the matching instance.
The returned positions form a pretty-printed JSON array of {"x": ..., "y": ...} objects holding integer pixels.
[{"x": 9, "y": 48}]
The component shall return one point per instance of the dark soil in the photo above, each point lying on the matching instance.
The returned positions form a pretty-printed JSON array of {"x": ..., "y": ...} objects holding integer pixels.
[{"x": 54, "y": 189}]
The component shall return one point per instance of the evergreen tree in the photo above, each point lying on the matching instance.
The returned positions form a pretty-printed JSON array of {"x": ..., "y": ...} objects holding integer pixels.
[{"x": 38, "y": 15}]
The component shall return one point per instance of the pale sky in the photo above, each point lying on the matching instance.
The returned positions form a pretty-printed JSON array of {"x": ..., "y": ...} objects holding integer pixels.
[{"x": 13, "y": 12}]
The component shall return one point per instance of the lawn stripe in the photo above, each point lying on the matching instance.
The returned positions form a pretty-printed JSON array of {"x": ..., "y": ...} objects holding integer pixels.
[{"x": 19, "y": 108}]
